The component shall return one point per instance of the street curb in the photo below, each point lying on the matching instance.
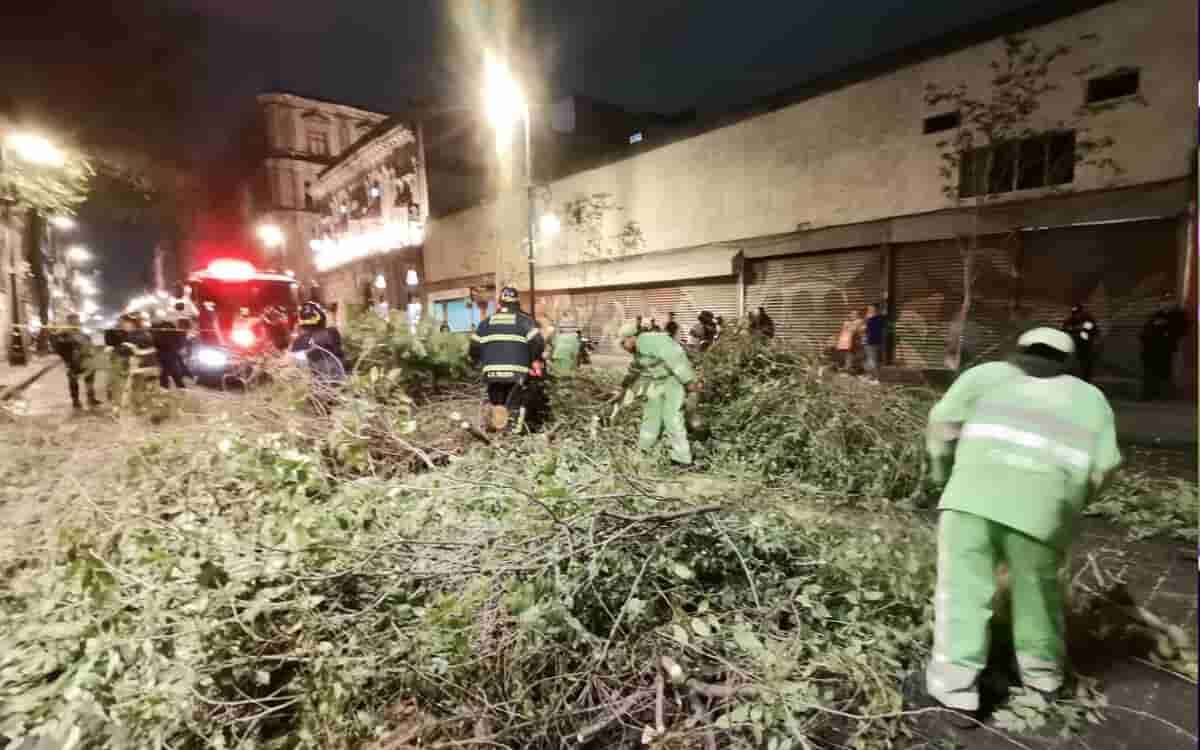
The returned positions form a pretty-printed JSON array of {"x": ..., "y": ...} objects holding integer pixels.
[{"x": 14, "y": 390}]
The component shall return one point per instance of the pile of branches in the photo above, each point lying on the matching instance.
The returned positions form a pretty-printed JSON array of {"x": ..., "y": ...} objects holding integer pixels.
[
  {"x": 526, "y": 600},
  {"x": 338, "y": 578}
]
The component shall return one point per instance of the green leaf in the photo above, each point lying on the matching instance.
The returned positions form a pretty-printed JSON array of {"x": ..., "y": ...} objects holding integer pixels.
[
  {"x": 747, "y": 641},
  {"x": 701, "y": 628},
  {"x": 679, "y": 634},
  {"x": 872, "y": 596},
  {"x": 740, "y": 715},
  {"x": 682, "y": 571}
]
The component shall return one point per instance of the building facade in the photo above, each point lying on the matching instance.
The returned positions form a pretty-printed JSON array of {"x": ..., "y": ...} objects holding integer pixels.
[
  {"x": 372, "y": 205},
  {"x": 836, "y": 198},
  {"x": 300, "y": 137}
]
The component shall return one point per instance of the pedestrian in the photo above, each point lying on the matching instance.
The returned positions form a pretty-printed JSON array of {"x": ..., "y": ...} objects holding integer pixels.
[
  {"x": 720, "y": 328},
  {"x": 321, "y": 345},
  {"x": 666, "y": 375},
  {"x": 761, "y": 324},
  {"x": 168, "y": 343},
  {"x": 1160, "y": 340},
  {"x": 77, "y": 353},
  {"x": 1023, "y": 445},
  {"x": 873, "y": 332},
  {"x": 507, "y": 345},
  {"x": 1086, "y": 335},
  {"x": 654, "y": 326},
  {"x": 704, "y": 333},
  {"x": 672, "y": 326},
  {"x": 847, "y": 340},
  {"x": 640, "y": 326}
]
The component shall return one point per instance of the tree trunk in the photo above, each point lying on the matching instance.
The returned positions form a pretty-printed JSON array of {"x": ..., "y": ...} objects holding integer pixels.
[{"x": 35, "y": 229}]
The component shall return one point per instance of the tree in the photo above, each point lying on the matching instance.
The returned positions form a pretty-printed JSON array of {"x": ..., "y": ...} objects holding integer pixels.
[
  {"x": 1002, "y": 143},
  {"x": 590, "y": 221}
]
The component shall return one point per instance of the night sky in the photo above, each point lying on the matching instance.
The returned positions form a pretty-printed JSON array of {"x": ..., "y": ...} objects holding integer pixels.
[{"x": 80, "y": 60}]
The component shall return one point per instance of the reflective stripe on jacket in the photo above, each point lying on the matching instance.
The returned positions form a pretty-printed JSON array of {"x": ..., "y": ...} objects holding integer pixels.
[
  {"x": 506, "y": 344},
  {"x": 1026, "y": 452}
]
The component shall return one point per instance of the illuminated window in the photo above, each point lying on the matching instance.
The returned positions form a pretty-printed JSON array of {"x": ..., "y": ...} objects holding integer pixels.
[{"x": 318, "y": 143}]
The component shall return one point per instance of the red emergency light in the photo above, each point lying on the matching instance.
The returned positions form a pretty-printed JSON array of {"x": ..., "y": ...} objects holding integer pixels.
[{"x": 231, "y": 270}]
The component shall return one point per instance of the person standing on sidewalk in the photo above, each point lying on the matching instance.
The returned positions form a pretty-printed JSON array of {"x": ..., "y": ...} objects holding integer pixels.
[
  {"x": 75, "y": 348},
  {"x": 1160, "y": 340},
  {"x": 847, "y": 340},
  {"x": 1023, "y": 445},
  {"x": 1086, "y": 334},
  {"x": 873, "y": 332}
]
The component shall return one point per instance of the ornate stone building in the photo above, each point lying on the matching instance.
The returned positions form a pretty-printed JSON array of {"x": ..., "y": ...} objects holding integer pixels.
[
  {"x": 300, "y": 137},
  {"x": 373, "y": 204}
]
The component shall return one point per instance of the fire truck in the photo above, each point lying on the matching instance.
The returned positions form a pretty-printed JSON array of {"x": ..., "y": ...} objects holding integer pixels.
[{"x": 243, "y": 313}]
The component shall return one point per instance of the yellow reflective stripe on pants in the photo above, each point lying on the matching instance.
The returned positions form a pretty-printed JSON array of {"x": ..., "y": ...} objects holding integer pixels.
[
  {"x": 505, "y": 368},
  {"x": 533, "y": 333},
  {"x": 494, "y": 337},
  {"x": 1074, "y": 457}
]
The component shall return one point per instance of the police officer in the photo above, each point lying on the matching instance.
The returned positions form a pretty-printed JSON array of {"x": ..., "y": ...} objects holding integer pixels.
[
  {"x": 1085, "y": 334},
  {"x": 320, "y": 344},
  {"x": 704, "y": 333},
  {"x": 660, "y": 362},
  {"x": 507, "y": 344},
  {"x": 1160, "y": 340},
  {"x": 75, "y": 348},
  {"x": 1023, "y": 445}
]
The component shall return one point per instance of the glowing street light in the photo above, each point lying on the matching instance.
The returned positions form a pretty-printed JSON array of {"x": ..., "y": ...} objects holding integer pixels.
[
  {"x": 505, "y": 101},
  {"x": 78, "y": 254},
  {"x": 550, "y": 225},
  {"x": 35, "y": 149},
  {"x": 65, "y": 223},
  {"x": 270, "y": 235}
]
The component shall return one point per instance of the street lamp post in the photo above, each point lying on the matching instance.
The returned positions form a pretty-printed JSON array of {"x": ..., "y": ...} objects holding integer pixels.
[{"x": 506, "y": 103}]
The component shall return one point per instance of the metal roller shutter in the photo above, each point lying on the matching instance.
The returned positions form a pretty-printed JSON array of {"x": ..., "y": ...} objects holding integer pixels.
[
  {"x": 809, "y": 296},
  {"x": 602, "y": 312},
  {"x": 929, "y": 293},
  {"x": 1120, "y": 272}
]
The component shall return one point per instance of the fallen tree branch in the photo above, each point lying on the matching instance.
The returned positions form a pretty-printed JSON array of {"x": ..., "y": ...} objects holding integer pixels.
[
  {"x": 663, "y": 517},
  {"x": 622, "y": 708}
]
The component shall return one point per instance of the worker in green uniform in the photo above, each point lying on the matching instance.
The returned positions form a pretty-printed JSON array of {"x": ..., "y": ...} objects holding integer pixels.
[
  {"x": 662, "y": 366},
  {"x": 1024, "y": 445},
  {"x": 564, "y": 356}
]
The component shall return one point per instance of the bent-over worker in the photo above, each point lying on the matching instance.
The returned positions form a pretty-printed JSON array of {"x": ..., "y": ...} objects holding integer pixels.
[
  {"x": 662, "y": 364},
  {"x": 1023, "y": 444}
]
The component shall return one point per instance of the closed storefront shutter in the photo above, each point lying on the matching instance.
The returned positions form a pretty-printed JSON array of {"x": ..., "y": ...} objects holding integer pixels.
[
  {"x": 601, "y": 312},
  {"x": 929, "y": 284},
  {"x": 1119, "y": 272},
  {"x": 809, "y": 296}
]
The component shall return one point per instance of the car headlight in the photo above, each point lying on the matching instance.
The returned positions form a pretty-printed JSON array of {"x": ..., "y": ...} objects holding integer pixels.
[
  {"x": 213, "y": 358},
  {"x": 300, "y": 356}
]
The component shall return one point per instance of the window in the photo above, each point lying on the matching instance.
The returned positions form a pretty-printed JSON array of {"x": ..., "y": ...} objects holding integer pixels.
[
  {"x": 938, "y": 123},
  {"x": 1040, "y": 161},
  {"x": 635, "y": 138},
  {"x": 1114, "y": 86},
  {"x": 318, "y": 143}
]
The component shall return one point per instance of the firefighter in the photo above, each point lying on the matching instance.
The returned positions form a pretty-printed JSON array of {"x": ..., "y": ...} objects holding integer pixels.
[
  {"x": 663, "y": 367},
  {"x": 75, "y": 348},
  {"x": 320, "y": 345},
  {"x": 1023, "y": 445},
  {"x": 1160, "y": 340},
  {"x": 508, "y": 344}
]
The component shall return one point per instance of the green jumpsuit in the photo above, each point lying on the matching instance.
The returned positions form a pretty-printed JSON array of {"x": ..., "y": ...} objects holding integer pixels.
[
  {"x": 566, "y": 353},
  {"x": 663, "y": 367},
  {"x": 1022, "y": 455}
]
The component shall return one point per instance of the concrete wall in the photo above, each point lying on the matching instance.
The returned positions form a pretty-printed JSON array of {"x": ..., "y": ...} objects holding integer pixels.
[{"x": 858, "y": 153}]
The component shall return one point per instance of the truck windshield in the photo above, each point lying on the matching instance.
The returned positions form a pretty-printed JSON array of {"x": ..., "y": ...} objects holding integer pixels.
[{"x": 227, "y": 298}]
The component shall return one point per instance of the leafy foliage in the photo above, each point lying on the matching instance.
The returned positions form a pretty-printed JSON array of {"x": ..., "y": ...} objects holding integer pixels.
[{"x": 280, "y": 580}]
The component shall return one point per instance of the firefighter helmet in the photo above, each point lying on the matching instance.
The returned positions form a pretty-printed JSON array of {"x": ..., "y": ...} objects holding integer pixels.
[
  {"x": 312, "y": 314},
  {"x": 508, "y": 295}
]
